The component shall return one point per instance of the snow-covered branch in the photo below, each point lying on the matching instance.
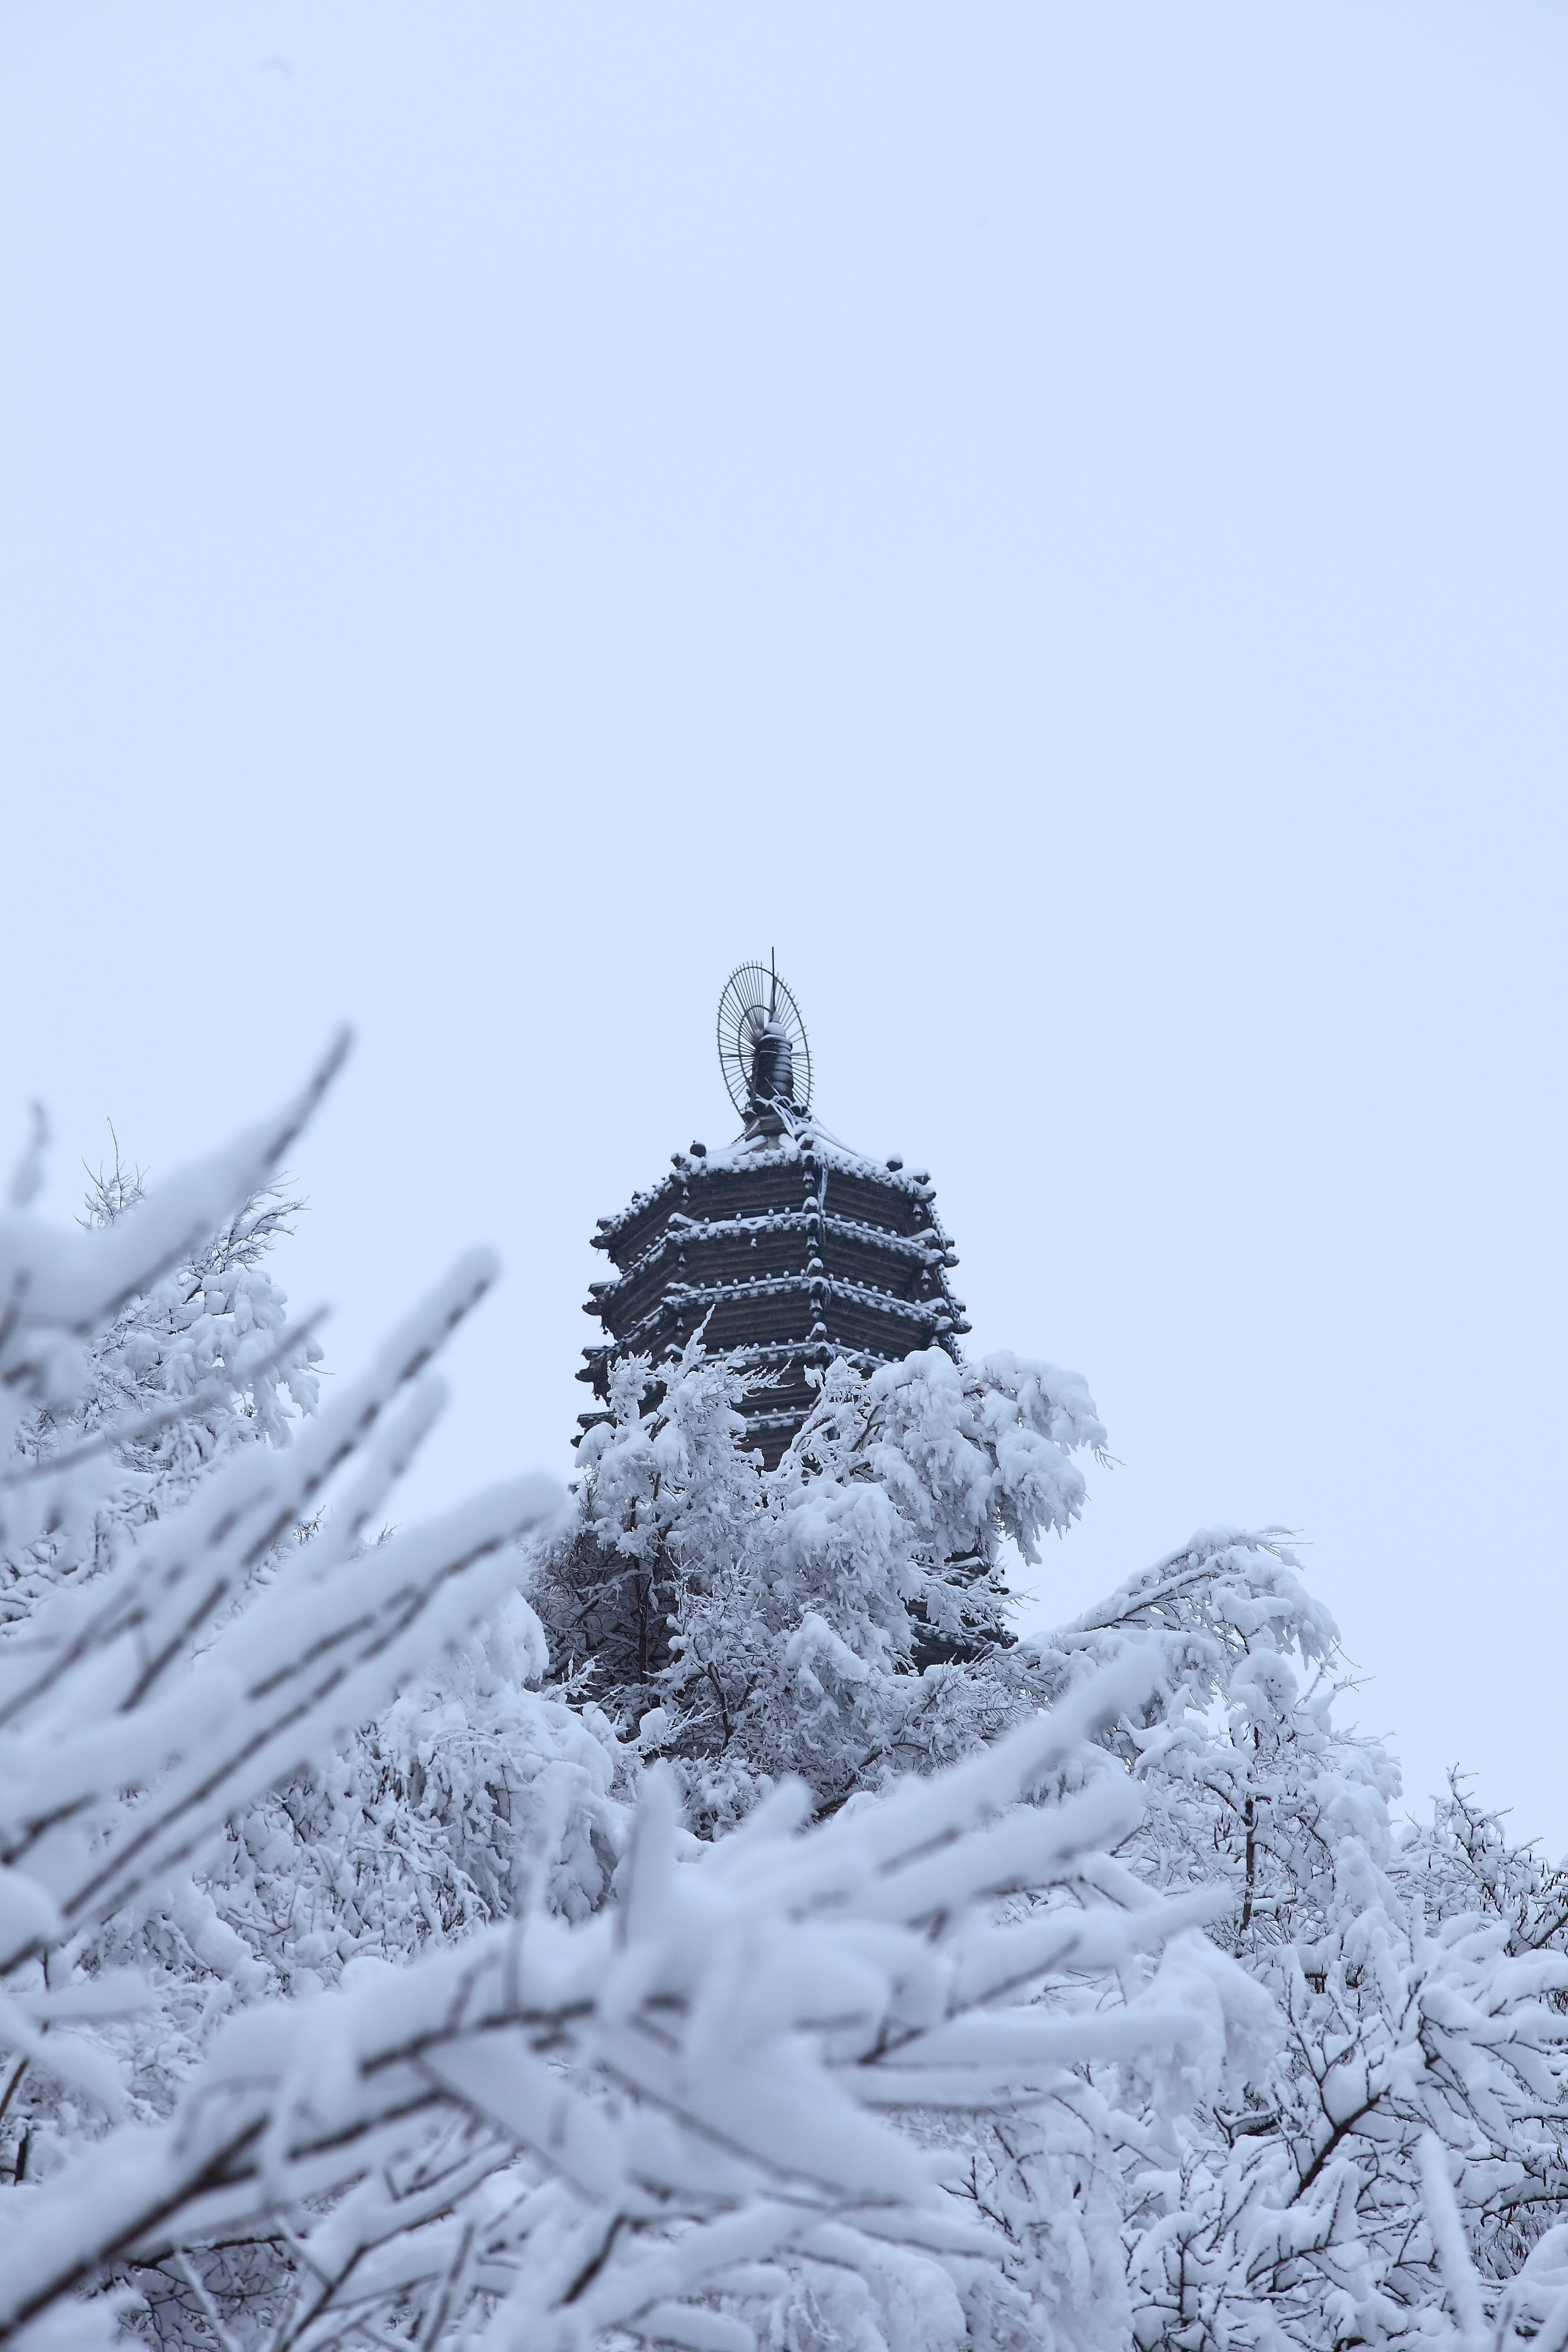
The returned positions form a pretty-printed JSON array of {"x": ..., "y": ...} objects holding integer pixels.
[{"x": 617, "y": 2113}]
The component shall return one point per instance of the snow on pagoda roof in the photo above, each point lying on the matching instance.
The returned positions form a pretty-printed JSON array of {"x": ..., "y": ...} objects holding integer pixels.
[
  {"x": 750, "y": 1150},
  {"x": 756, "y": 1151}
]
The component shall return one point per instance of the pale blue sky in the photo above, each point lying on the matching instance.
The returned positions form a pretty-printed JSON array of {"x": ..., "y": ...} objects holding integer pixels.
[{"x": 1050, "y": 516}]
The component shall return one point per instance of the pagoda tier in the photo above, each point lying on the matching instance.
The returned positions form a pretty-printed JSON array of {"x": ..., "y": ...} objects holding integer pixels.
[{"x": 792, "y": 1250}]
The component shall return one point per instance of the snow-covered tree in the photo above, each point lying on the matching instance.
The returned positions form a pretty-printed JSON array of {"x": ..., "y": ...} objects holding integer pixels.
[
  {"x": 1415, "y": 1978},
  {"x": 839, "y": 1617},
  {"x": 1414, "y": 1982},
  {"x": 166, "y": 1658},
  {"x": 198, "y": 1362}
]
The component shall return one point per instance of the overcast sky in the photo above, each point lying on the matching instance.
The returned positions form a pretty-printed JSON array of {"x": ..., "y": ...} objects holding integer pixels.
[{"x": 1050, "y": 516}]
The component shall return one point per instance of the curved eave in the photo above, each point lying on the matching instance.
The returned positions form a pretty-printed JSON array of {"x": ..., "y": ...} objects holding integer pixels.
[
  {"x": 694, "y": 1301},
  {"x": 749, "y": 1153},
  {"x": 929, "y": 1249}
]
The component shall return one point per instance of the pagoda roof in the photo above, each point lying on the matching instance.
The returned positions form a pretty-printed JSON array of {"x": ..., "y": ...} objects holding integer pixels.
[{"x": 753, "y": 1154}]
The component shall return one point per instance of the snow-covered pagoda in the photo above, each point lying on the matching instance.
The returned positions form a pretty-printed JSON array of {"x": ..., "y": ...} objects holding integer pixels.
[{"x": 786, "y": 1249}]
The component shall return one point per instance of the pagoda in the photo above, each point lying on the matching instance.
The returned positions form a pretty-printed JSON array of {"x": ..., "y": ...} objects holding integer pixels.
[{"x": 786, "y": 1249}]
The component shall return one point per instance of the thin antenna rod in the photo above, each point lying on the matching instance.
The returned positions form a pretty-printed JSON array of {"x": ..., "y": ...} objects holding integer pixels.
[{"x": 773, "y": 990}]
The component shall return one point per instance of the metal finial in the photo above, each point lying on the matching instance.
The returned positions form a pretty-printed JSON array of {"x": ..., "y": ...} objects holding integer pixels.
[{"x": 763, "y": 1047}]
